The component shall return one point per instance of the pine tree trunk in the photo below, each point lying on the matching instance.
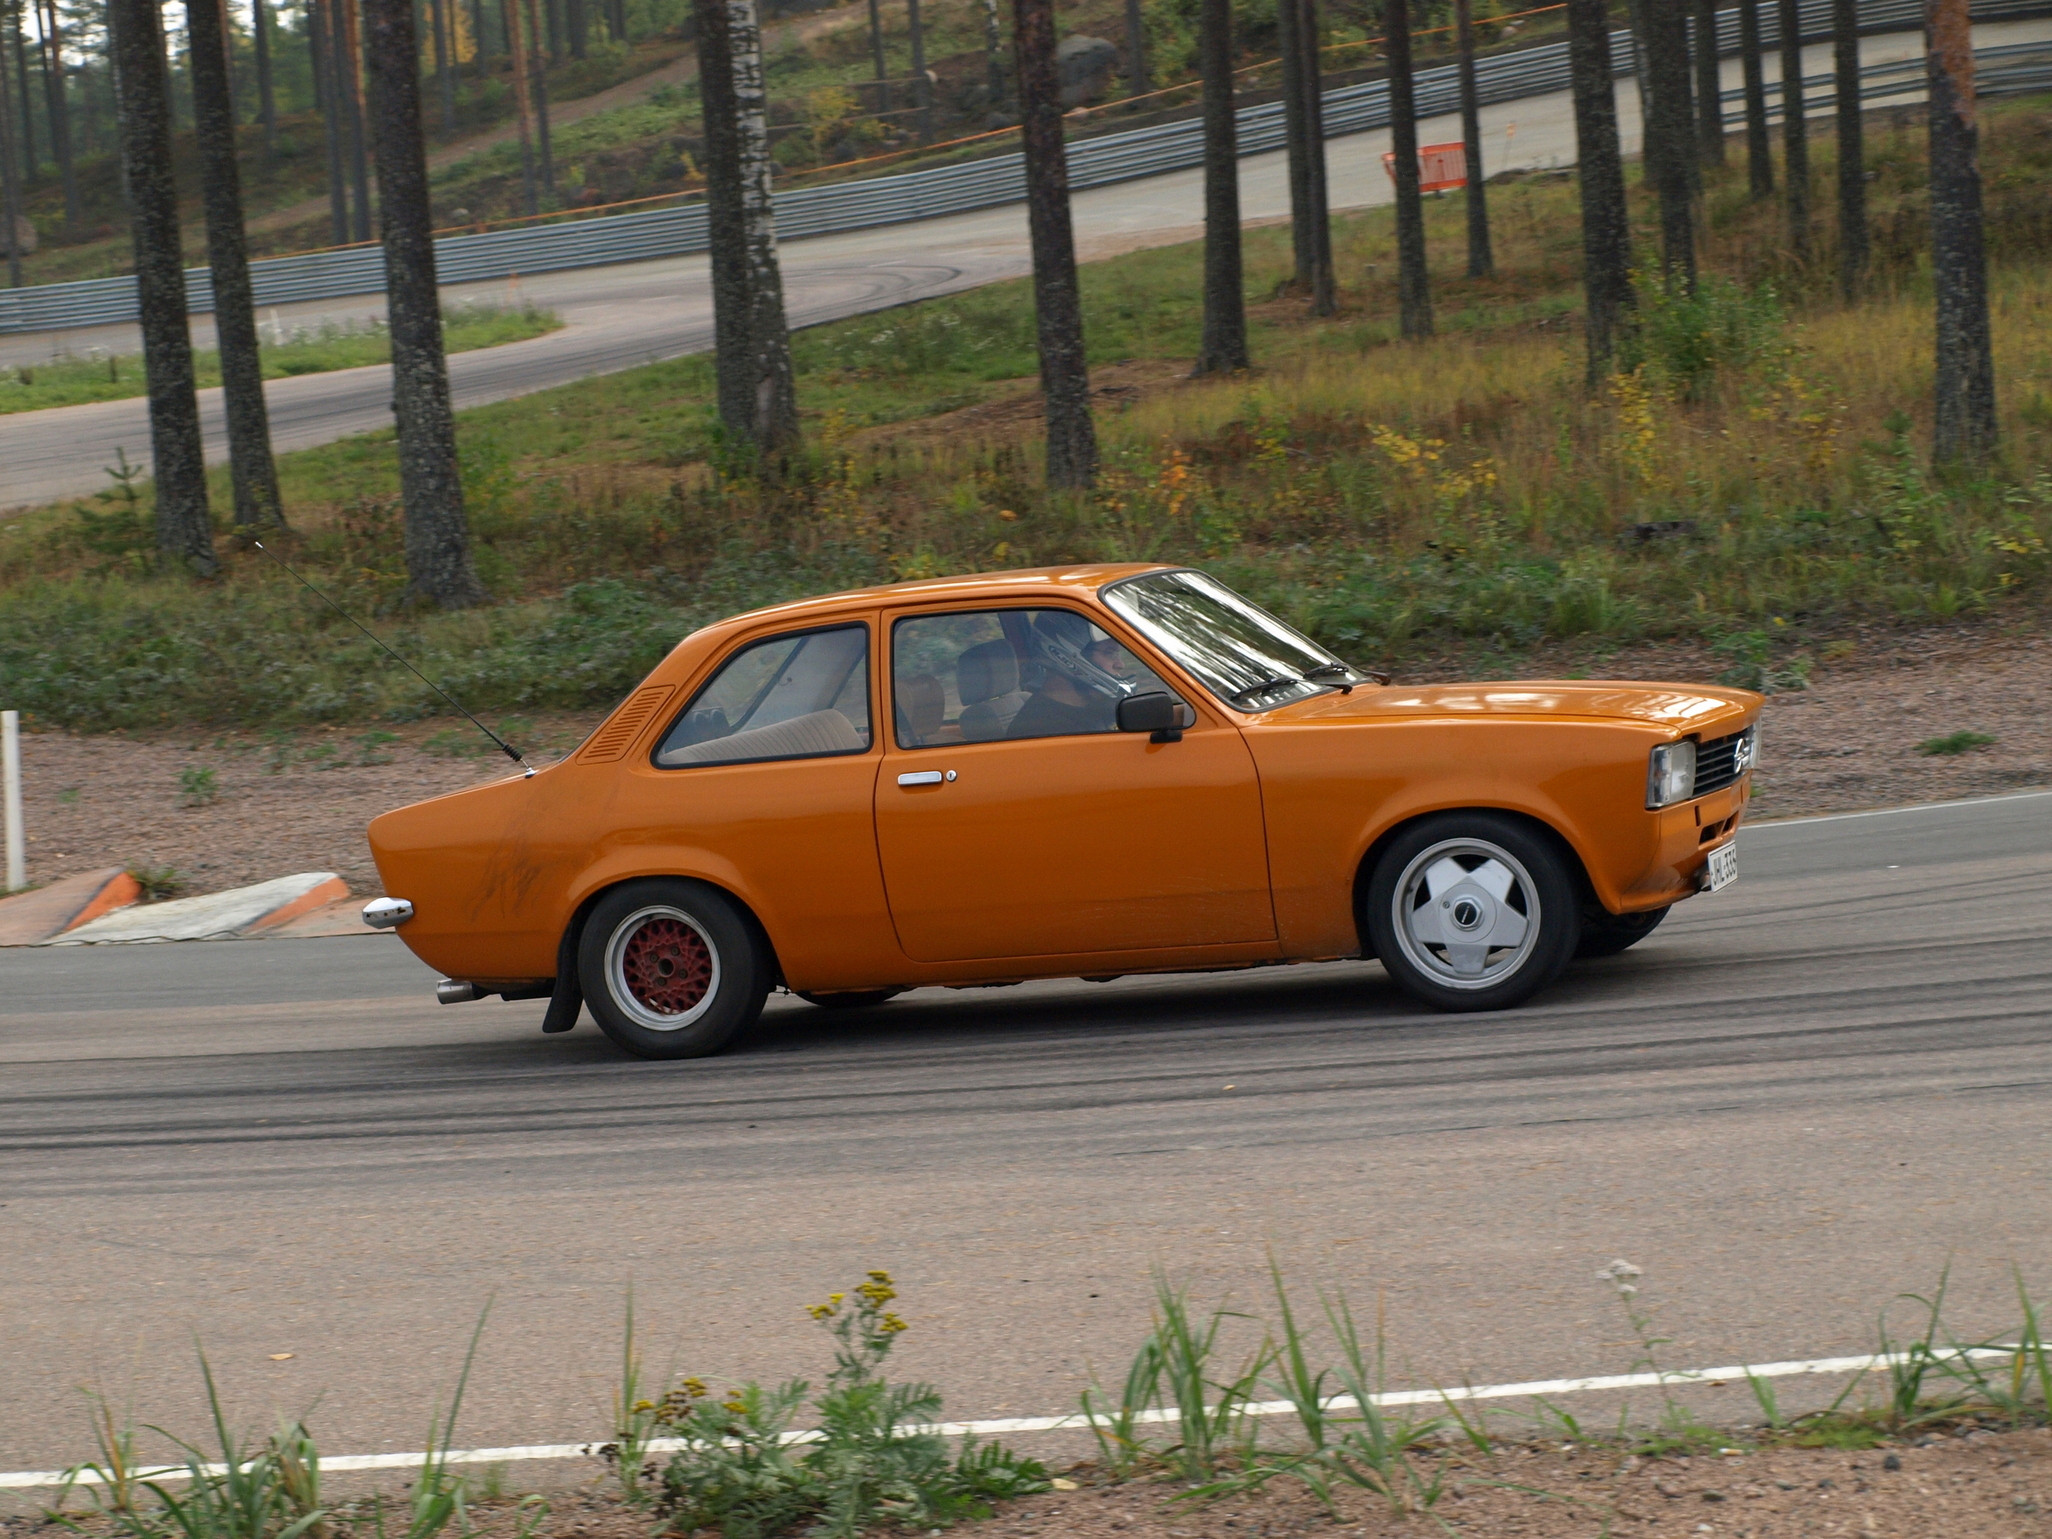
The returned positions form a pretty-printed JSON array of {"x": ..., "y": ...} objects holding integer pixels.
[
  {"x": 1671, "y": 159},
  {"x": 1414, "y": 281},
  {"x": 252, "y": 472},
  {"x": 733, "y": 352},
  {"x": 27, "y": 104},
  {"x": 922, "y": 88},
  {"x": 552, "y": 22},
  {"x": 445, "y": 76},
  {"x": 1606, "y": 226},
  {"x": 1709, "y": 86},
  {"x": 267, "y": 91},
  {"x": 1223, "y": 347},
  {"x": 350, "y": 57},
  {"x": 1795, "y": 132},
  {"x": 580, "y": 29},
  {"x": 1759, "y": 143},
  {"x": 1963, "y": 419},
  {"x": 773, "y": 421},
  {"x": 438, "y": 564},
  {"x": 60, "y": 110},
  {"x": 1324, "y": 292},
  {"x": 994, "y": 56},
  {"x": 184, "y": 533},
  {"x": 1481, "y": 262},
  {"x": 523, "y": 108},
  {"x": 1852, "y": 158},
  {"x": 876, "y": 54},
  {"x": 1137, "y": 80},
  {"x": 1297, "y": 144},
  {"x": 1057, "y": 299},
  {"x": 323, "y": 26},
  {"x": 10, "y": 182},
  {"x": 538, "y": 87}
]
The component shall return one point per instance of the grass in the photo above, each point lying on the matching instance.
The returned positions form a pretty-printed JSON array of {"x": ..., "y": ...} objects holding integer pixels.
[
  {"x": 1754, "y": 485},
  {"x": 68, "y": 380},
  {"x": 1963, "y": 741}
]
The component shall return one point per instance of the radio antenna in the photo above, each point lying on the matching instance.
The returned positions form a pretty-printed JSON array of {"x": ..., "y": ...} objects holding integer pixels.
[{"x": 504, "y": 747}]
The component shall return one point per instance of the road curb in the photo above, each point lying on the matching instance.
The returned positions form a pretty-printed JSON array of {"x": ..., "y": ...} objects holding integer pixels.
[
  {"x": 216, "y": 916},
  {"x": 31, "y": 918},
  {"x": 342, "y": 917}
]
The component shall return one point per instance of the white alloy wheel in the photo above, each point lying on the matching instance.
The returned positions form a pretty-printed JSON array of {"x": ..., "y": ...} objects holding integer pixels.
[{"x": 1466, "y": 913}]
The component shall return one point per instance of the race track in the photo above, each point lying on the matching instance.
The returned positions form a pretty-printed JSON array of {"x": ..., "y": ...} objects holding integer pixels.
[
  {"x": 618, "y": 317},
  {"x": 1797, "y": 1098}
]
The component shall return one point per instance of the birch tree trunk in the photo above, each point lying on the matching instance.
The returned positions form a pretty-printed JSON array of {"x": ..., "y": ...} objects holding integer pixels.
[
  {"x": 732, "y": 349},
  {"x": 252, "y": 471},
  {"x": 1795, "y": 132},
  {"x": 1759, "y": 144},
  {"x": 1481, "y": 262},
  {"x": 773, "y": 418},
  {"x": 1852, "y": 158},
  {"x": 1963, "y": 419},
  {"x": 1057, "y": 300},
  {"x": 184, "y": 534},
  {"x": 1414, "y": 281},
  {"x": 994, "y": 56},
  {"x": 1324, "y": 294},
  {"x": 1709, "y": 86},
  {"x": 1671, "y": 158},
  {"x": 1223, "y": 346},
  {"x": 438, "y": 564},
  {"x": 1606, "y": 227}
]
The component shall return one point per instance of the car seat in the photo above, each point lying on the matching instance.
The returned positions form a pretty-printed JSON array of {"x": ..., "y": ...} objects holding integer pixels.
[
  {"x": 922, "y": 707},
  {"x": 987, "y": 680}
]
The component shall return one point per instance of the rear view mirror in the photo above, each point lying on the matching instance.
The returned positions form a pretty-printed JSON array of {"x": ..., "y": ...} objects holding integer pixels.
[{"x": 1154, "y": 712}]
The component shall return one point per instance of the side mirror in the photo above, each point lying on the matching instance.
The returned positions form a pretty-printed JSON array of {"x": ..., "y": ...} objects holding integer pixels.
[{"x": 1161, "y": 715}]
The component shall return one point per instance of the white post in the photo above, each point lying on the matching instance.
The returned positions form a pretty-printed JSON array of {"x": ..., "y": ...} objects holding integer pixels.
[{"x": 10, "y": 773}]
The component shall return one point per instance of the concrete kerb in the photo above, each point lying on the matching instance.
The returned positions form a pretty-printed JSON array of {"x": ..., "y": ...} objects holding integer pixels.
[
  {"x": 30, "y": 918},
  {"x": 226, "y": 915}
]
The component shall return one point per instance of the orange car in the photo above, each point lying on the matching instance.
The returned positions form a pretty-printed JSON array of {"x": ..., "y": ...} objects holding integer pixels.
[{"x": 1082, "y": 771}]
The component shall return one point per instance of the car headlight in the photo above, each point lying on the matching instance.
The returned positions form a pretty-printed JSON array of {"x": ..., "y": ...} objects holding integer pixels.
[{"x": 1671, "y": 774}]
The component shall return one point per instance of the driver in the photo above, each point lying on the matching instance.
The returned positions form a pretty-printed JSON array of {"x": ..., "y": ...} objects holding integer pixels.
[{"x": 1084, "y": 676}]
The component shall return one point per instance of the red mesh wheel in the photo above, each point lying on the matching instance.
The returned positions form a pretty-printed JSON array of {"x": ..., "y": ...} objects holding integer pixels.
[{"x": 666, "y": 966}]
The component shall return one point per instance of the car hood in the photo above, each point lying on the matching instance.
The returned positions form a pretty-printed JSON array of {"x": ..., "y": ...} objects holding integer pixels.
[{"x": 1682, "y": 708}]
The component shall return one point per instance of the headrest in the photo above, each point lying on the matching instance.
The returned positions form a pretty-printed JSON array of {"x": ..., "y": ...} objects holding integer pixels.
[
  {"x": 921, "y": 706},
  {"x": 986, "y": 671}
]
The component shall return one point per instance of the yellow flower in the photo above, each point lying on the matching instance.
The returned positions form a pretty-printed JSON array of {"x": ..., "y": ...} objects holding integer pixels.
[{"x": 891, "y": 1325}]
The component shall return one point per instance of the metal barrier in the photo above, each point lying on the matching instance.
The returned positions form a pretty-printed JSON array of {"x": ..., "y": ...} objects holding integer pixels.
[{"x": 976, "y": 184}]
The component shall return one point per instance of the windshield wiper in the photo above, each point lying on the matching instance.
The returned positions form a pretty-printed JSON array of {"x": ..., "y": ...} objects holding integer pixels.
[
  {"x": 1263, "y": 686},
  {"x": 1345, "y": 674}
]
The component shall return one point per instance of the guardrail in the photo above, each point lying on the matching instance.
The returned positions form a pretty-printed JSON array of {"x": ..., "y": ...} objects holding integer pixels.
[{"x": 956, "y": 189}]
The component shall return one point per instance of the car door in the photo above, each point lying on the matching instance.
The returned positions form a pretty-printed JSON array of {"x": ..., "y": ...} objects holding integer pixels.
[{"x": 1014, "y": 820}]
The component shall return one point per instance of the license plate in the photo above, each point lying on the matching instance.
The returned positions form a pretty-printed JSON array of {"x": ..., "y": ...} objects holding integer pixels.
[{"x": 1723, "y": 868}]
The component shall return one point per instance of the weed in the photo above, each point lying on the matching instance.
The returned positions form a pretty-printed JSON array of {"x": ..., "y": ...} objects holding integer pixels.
[
  {"x": 371, "y": 746},
  {"x": 198, "y": 787},
  {"x": 1963, "y": 741},
  {"x": 68, "y": 797},
  {"x": 158, "y": 882}
]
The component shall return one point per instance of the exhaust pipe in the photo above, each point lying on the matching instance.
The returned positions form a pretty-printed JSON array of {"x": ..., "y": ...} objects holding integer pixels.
[{"x": 454, "y": 991}]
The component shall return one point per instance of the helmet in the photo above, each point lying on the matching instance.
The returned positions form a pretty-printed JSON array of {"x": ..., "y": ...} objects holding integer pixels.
[{"x": 1059, "y": 642}]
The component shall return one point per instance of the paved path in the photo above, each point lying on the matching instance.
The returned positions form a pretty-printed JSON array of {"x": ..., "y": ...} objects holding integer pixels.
[
  {"x": 618, "y": 317},
  {"x": 1796, "y": 1099}
]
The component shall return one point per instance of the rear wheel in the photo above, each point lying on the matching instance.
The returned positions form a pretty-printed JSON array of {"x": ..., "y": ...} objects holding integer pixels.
[
  {"x": 849, "y": 999},
  {"x": 1605, "y": 934},
  {"x": 1472, "y": 911},
  {"x": 671, "y": 969}
]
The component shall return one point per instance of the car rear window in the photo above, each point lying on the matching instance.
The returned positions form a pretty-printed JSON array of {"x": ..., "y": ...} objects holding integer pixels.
[{"x": 801, "y": 695}]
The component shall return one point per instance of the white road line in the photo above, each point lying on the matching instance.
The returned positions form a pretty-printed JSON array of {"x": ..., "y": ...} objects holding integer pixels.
[
  {"x": 1889, "y": 812},
  {"x": 1075, "y": 1421}
]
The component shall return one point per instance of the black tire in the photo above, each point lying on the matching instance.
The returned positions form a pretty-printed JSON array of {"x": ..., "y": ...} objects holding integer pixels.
[
  {"x": 849, "y": 999},
  {"x": 1446, "y": 958},
  {"x": 1605, "y": 934},
  {"x": 653, "y": 945}
]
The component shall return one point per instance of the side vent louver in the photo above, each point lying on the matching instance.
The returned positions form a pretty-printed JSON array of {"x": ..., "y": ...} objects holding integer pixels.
[{"x": 617, "y": 735}]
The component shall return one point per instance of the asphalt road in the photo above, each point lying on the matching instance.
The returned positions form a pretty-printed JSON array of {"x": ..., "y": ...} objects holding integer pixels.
[
  {"x": 1799, "y": 1097},
  {"x": 619, "y": 317}
]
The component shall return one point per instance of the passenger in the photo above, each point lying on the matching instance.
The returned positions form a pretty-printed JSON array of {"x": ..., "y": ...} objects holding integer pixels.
[{"x": 1083, "y": 679}]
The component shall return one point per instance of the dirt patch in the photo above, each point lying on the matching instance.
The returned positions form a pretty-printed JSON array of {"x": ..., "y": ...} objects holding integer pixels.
[
  {"x": 284, "y": 802},
  {"x": 1020, "y": 414}
]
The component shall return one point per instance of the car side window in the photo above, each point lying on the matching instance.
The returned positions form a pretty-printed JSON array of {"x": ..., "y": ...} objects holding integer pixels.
[
  {"x": 803, "y": 695},
  {"x": 1008, "y": 673}
]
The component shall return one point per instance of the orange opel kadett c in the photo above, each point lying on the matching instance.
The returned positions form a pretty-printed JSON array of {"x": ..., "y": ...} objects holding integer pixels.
[{"x": 1074, "y": 772}]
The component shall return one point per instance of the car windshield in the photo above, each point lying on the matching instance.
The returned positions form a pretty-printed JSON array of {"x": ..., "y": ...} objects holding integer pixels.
[{"x": 1246, "y": 657}]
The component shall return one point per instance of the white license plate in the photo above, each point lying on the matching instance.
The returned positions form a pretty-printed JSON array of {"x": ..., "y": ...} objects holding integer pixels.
[{"x": 1723, "y": 868}]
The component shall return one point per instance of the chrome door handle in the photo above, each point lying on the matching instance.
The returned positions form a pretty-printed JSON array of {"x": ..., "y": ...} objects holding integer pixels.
[{"x": 920, "y": 778}]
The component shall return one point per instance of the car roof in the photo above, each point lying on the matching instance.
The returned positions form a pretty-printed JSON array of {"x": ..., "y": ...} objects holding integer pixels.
[{"x": 1028, "y": 582}]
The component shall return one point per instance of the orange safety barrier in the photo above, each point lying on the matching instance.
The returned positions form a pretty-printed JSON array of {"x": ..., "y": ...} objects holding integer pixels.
[{"x": 1441, "y": 167}]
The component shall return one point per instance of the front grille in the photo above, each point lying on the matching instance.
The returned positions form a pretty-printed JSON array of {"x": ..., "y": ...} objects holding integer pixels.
[{"x": 1722, "y": 760}]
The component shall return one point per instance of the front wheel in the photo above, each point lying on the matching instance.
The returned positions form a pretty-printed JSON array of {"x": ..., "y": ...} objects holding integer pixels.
[
  {"x": 671, "y": 969},
  {"x": 1472, "y": 911}
]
